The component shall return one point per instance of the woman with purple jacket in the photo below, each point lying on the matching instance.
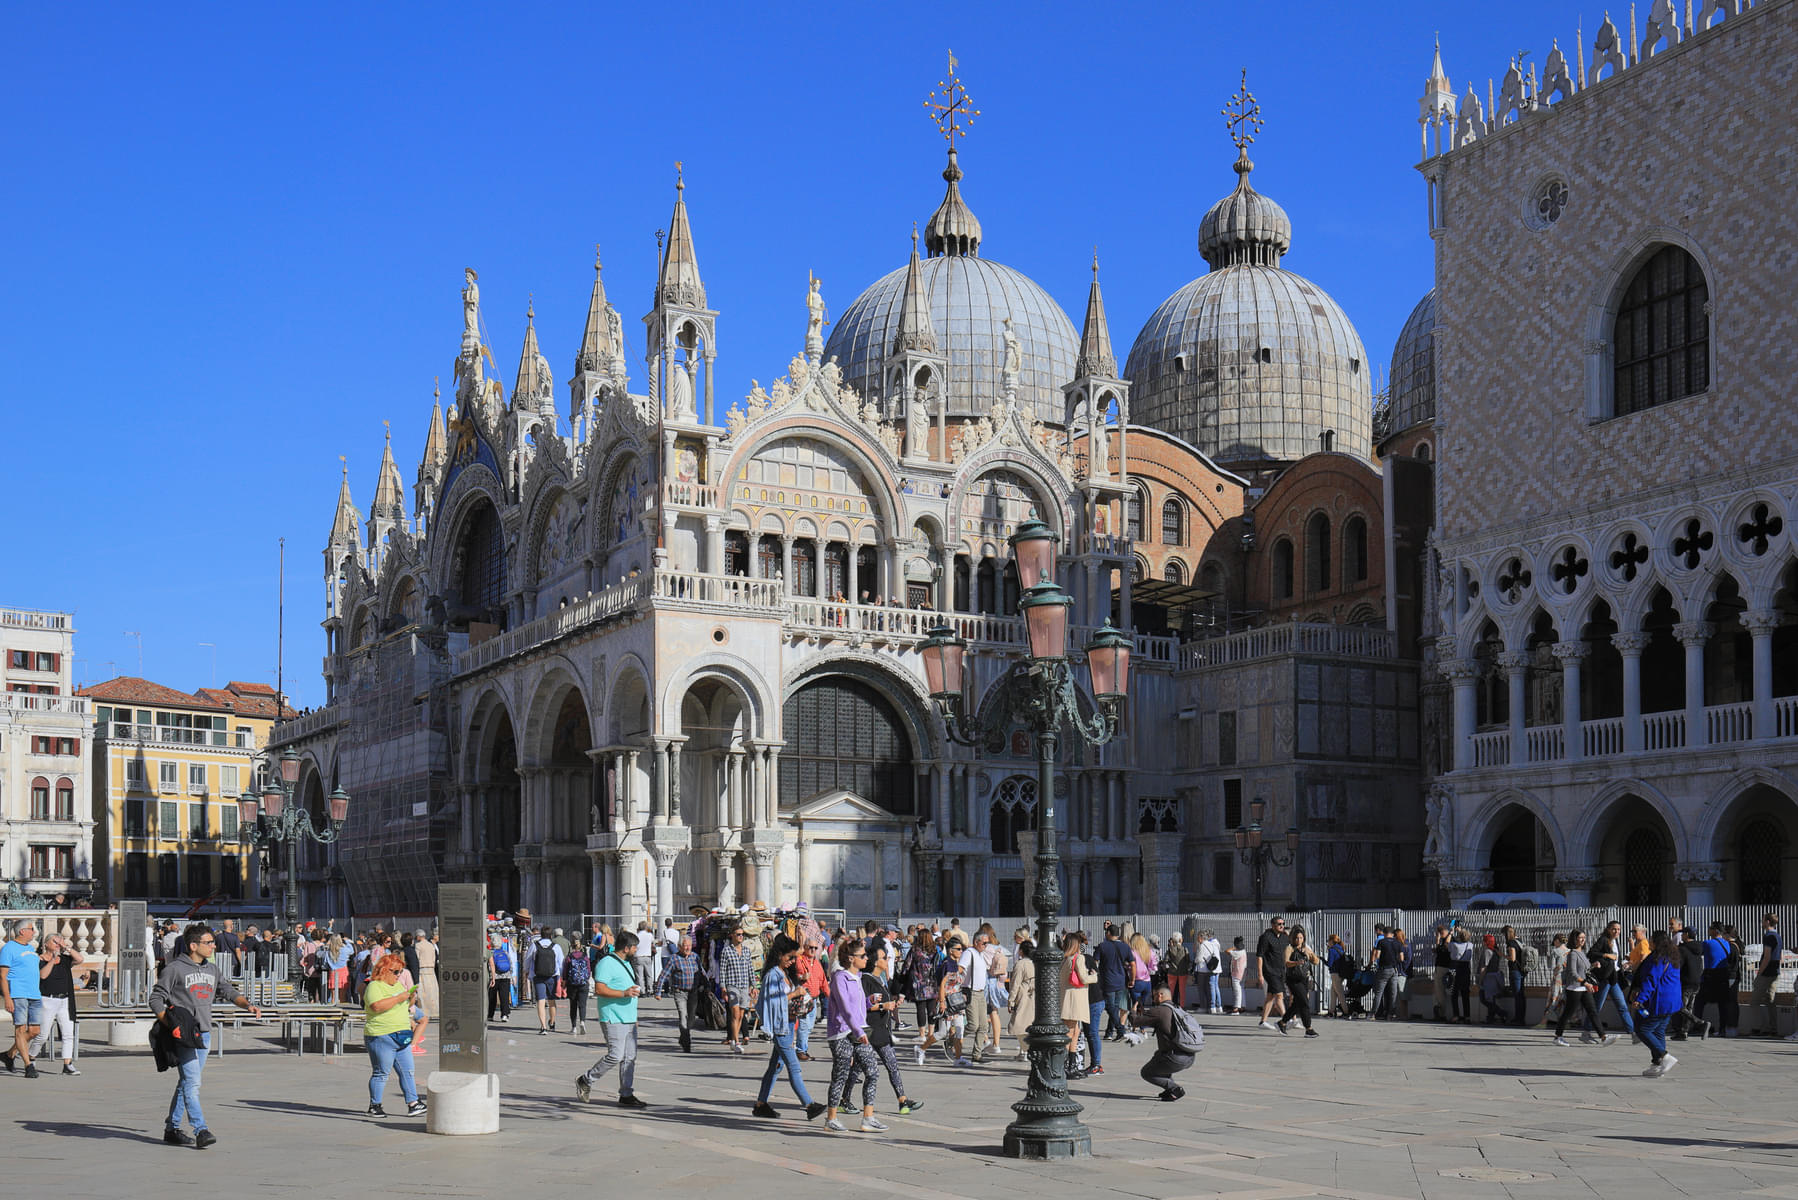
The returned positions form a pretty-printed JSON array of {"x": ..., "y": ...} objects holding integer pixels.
[{"x": 847, "y": 1029}]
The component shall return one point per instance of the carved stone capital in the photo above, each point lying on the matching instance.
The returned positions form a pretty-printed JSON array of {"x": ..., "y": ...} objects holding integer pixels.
[
  {"x": 1513, "y": 662},
  {"x": 1571, "y": 652},
  {"x": 1458, "y": 670},
  {"x": 1694, "y": 633},
  {"x": 1467, "y": 881},
  {"x": 1578, "y": 877},
  {"x": 1760, "y": 621},
  {"x": 1698, "y": 872},
  {"x": 1629, "y": 643}
]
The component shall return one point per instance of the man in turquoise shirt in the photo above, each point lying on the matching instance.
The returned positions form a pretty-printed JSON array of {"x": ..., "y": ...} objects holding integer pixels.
[
  {"x": 21, "y": 968},
  {"x": 615, "y": 986}
]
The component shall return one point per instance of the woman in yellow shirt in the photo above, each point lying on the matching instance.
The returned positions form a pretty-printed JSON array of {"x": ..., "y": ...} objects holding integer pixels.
[{"x": 388, "y": 1028}]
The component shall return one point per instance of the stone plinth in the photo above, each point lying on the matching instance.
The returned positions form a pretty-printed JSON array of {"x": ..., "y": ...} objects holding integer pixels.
[{"x": 461, "y": 1103}]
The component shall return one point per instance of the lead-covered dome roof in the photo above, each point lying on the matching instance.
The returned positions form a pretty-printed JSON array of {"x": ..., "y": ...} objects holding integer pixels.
[
  {"x": 970, "y": 298},
  {"x": 1414, "y": 368},
  {"x": 1251, "y": 362}
]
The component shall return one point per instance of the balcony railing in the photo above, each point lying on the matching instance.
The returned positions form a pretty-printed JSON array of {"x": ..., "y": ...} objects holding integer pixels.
[
  {"x": 1602, "y": 737},
  {"x": 1289, "y": 637},
  {"x": 1492, "y": 749},
  {"x": 737, "y": 591},
  {"x": 588, "y": 610},
  {"x": 1663, "y": 730},
  {"x": 1546, "y": 743},
  {"x": 174, "y": 735},
  {"x": 29, "y": 702},
  {"x": 1725, "y": 723},
  {"x": 306, "y": 725},
  {"x": 692, "y": 495},
  {"x": 31, "y": 618}
]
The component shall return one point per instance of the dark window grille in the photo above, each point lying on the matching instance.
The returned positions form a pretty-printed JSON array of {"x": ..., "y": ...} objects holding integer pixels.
[
  {"x": 1661, "y": 337},
  {"x": 842, "y": 733}
]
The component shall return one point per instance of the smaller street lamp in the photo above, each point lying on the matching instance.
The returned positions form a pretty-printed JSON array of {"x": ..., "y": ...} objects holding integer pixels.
[
  {"x": 273, "y": 819},
  {"x": 1257, "y": 853}
]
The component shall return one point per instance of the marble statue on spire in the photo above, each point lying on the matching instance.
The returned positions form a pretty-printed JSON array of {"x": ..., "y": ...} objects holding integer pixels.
[
  {"x": 814, "y": 319},
  {"x": 471, "y": 312},
  {"x": 1014, "y": 362}
]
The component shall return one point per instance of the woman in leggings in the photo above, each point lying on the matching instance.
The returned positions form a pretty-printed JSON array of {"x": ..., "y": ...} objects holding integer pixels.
[
  {"x": 920, "y": 966},
  {"x": 1300, "y": 958},
  {"x": 1578, "y": 992}
]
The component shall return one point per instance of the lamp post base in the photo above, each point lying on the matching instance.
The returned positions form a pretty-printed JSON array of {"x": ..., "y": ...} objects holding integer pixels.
[{"x": 1040, "y": 1139}]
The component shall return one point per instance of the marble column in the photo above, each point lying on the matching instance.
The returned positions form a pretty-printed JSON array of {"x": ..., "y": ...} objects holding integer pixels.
[
  {"x": 1161, "y": 871},
  {"x": 1761, "y": 624},
  {"x": 1693, "y": 635},
  {"x": 1630, "y": 646},
  {"x": 1463, "y": 676},
  {"x": 1701, "y": 880},
  {"x": 788, "y": 585},
  {"x": 1462, "y": 886},
  {"x": 675, "y": 816},
  {"x": 714, "y": 545},
  {"x": 930, "y": 881},
  {"x": 734, "y": 808},
  {"x": 1577, "y": 883},
  {"x": 1515, "y": 664},
  {"x": 665, "y": 857},
  {"x": 1571, "y": 656}
]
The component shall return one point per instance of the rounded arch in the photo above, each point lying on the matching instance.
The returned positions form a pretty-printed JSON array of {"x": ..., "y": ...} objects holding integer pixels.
[
  {"x": 881, "y": 484},
  {"x": 988, "y": 462},
  {"x": 628, "y": 715},
  {"x": 736, "y": 673},
  {"x": 904, "y": 690},
  {"x": 1481, "y": 830},
  {"x": 488, "y": 717},
  {"x": 1606, "y": 300},
  {"x": 543, "y": 710},
  {"x": 474, "y": 485},
  {"x": 1585, "y": 842},
  {"x": 405, "y": 603},
  {"x": 854, "y": 724}
]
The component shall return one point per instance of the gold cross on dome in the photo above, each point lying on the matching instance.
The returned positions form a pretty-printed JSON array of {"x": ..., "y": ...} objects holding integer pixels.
[
  {"x": 1242, "y": 115},
  {"x": 949, "y": 105}
]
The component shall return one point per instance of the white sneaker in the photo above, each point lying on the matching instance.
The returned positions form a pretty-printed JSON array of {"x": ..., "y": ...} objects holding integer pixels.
[
  {"x": 1611, "y": 1039},
  {"x": 963, "y": 1062},
  {"x": 1667, "y": 1063},
  {"x": 1561, "y": 1041},
  {"x": 920, "y": 1053},
  {"x": 1267, "y": 1025},
  {"x": 873, "y": 1125},
  {"x": 835, "y": 1126}
]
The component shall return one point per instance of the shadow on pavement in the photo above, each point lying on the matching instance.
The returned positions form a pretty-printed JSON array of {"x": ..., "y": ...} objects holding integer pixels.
[{"x": 81, "y": 1129}]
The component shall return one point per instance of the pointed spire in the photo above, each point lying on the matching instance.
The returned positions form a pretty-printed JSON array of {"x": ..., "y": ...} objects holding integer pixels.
[
  {"x": 346, "y": 525},
  {"x": 1436, "y": 71},
  {"x": 953, "y": 228},
  {"x": 916, "y": 332},
  {"x": 390, "y": 497},
  {"x": 436, "y": 440},
  {"x": 679, "y": 281},
  {"x": 595, "y": 352},
  {"x": 533, "y": 370},
  {"x": 1096, "y": 358}
]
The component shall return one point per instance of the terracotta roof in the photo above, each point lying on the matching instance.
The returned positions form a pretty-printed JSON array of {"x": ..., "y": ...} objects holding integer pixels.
[
  {"x": 246, "y": 699},
  {"x": 242, "y": 687},
  {"x": 129, "y": 689}
]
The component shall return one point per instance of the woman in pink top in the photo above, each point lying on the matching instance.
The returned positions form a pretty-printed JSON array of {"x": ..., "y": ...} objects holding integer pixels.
[{"x": 847, "y": 1029}]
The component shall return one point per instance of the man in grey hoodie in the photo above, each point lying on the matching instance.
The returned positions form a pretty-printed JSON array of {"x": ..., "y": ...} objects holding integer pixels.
[{"x": 191, "y": 982}]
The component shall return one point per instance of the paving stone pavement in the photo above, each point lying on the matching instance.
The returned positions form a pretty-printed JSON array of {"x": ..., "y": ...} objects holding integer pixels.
[{"x": 1366, "y": 1110}]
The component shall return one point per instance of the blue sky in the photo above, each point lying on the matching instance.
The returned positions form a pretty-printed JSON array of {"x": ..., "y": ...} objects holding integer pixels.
[{"x": 238, "y": 233}]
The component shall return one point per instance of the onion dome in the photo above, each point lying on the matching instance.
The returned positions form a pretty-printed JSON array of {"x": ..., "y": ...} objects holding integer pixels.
[{"x": 1413, "y": 378}]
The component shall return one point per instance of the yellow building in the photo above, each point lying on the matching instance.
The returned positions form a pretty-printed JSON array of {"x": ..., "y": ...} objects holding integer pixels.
[{"x": 168, "y": 769}]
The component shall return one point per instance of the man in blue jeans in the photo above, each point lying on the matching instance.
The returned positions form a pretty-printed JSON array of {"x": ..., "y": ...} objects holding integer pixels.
[
  {"x": 1117, "y": 967},
  {"x": 191, "y": 982}
]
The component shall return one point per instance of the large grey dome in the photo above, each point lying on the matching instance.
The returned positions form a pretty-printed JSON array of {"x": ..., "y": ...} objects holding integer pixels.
[
  {"x": 1252, "y": 363},
  {"x": 1413, "y": 377},
  {"x": 969, "y": 301}
]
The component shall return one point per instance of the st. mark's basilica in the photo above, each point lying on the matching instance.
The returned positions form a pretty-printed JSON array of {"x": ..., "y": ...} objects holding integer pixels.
[{"x": 1524, "y": 619}]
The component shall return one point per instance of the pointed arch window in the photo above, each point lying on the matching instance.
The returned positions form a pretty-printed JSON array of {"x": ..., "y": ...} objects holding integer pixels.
[
  {"x": 1013, "y": 811},
  {"x": 1660, "y": 337}
]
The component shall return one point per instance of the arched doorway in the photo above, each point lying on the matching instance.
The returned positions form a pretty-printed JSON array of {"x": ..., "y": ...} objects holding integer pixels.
[
  {"x": 715, "y": 793},
  {"x": 842, "y": 732},
  {"x": 1635, "y": 856},
  {"x": 565, "y": 799},
  {"x": 499, "y": 817},
  {"x": 479, "y": 570},
  {"x": 1523, "y": 854},
  {"x": 1752, "y": 843}
]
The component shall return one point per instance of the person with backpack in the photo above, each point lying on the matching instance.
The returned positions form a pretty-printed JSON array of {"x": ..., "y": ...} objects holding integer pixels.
[
  {"x": 1178, "y": 1040},
  {"x": 577, "y": 977},
  {"x": 501, "y": 971},
  {"x": 1721, "y": 983},
  {"x": 544, "y": 958},
  {"x": 615, "y": 983}
]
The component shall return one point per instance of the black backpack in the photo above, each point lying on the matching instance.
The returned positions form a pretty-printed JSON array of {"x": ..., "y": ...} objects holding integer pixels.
[{"x": 545, "y": 961}]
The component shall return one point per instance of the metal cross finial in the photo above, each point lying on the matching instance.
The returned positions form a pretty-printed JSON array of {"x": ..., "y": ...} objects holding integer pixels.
[
  {"x": 388, "y": 426},
  {"x": 953, "y": 112},
  {"x": 680, "y": 178},
  {"x": 1242, "y": 115},
  {"x": 344, "y": 459}
]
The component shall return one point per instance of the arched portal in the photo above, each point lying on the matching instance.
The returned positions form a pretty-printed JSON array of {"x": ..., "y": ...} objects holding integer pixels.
[
  {"x": 1523, "y": 853},
  {"x": 499, "y": 813},
  {"x": 1635, "y": 855},
  {"x": 715, "y": 792},
  {"x": 565, "y": 797},
  {"x": 1752, "y": 843},
  {"x": 479, "y": 569},
  {"x": 843, "y": 733}
]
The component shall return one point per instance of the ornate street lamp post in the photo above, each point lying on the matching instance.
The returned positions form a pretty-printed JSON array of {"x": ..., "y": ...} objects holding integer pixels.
[
  {"x": 278, "y": 821},
  {"x": 1048, "y": 1119},
  {"x": 1258, "y": 853}
]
